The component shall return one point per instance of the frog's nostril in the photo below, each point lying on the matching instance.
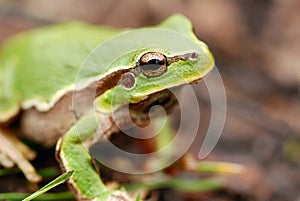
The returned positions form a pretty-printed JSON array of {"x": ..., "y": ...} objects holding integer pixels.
[{"x": 194, "y": 55}]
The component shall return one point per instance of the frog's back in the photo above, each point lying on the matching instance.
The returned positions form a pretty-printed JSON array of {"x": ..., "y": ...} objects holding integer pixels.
[
  {"x": 39, "y": 67},
  {"x": 42, "y": 63}
]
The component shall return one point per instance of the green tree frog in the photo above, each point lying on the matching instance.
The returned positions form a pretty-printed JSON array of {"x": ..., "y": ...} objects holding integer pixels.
[{"x": 38, "y": 71}]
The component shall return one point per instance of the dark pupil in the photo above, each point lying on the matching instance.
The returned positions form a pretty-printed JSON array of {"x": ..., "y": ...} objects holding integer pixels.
[
  {"x": 155, "y": 61},
  {"x": 153, "y": 64}
]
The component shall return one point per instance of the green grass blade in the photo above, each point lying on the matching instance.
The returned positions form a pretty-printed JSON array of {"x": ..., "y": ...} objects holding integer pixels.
[
  {"x": 62, "y": 178},
  {"x": 5, "y": 172},
  {"x": 44, "y": 197},
  {"x": 44, "y": 172},
  {"x": 219, "y": 167},
  {"x": 188, "y": 185}
]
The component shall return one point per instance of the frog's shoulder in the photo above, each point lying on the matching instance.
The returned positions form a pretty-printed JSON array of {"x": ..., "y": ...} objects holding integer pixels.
[
  {"x": 9, "y": 100},
  {"x": 39, "y": 66}
]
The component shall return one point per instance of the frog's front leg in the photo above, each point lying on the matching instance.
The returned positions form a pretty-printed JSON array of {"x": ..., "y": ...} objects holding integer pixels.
[
  {"x": 13, "y": 151},
  {"x": 72, "y": 154}
]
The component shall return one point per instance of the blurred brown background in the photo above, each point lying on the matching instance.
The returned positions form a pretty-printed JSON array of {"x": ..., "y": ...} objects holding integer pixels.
[{"x": 257, "y": 49}]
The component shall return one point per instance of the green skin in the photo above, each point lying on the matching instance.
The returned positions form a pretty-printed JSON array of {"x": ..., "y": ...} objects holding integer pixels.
[{"x": 25, "y": 61}]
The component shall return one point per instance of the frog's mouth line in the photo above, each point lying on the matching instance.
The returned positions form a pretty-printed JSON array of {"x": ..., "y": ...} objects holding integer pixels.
[{"x": 165, "y": 98}]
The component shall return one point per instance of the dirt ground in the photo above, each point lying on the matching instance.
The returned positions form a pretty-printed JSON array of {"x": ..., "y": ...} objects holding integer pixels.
[{"x": 256, "y": 46}]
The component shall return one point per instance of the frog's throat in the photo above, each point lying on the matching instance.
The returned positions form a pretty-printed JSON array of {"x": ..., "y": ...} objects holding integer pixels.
[{"x": 139, "y": 112}]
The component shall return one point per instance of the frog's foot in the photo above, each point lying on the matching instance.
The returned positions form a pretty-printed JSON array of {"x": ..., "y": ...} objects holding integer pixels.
[
  {"x": 13, "y": 151},
  {"x": 113, "y": 196}
]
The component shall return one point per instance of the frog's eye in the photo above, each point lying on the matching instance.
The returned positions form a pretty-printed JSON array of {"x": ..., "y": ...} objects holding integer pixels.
[{"x": 153, "y": 64}]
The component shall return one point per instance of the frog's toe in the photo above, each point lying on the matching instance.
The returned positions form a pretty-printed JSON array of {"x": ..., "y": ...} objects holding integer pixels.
[
  {"x": 10, "y": 152},
  {"x": 115, "y": 196},
  {"x": 23, "y": 148},
  {"x": 119, "y": 196},
  {"x": 5, "y": 161}
]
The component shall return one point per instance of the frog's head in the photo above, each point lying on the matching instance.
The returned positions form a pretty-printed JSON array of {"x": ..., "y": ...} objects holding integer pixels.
[{"x": 149, "y": 71}]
